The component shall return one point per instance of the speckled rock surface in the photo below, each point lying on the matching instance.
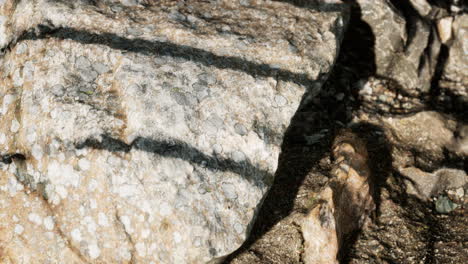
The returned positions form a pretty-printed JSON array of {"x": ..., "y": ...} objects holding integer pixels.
[{"x": 133, "y": 132}]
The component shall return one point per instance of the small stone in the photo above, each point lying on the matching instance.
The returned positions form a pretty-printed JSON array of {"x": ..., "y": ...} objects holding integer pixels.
[
  {"x": 88, "y": 75},
  {"x": 217, "y": 148},
  {"x": 31, "y": 137},
  {"x": 58, "y": 90},
  {"x": 141, "y": 249},
  {"x": 177, "y": 237},
  {"x": 240, "y": 129},
  {"x": 76, "y": 234},
  {"x": 444, "y": 28},
  {"x": 49, "y": 223},
  {"x": 181, "y": 98},
  {"x": 37, "y": 152},
  {"x": 103, "y": 220},
  {"x": 366, "y": 88},
  {"x": 165, "y": 209},
  {"x": 444, "y": 205},
  {"x": 35, "y": 218},
  {"x": 94, "y": 251},
  {"x": 28, "y": 70},
  {"x": 2, "y": 138},
  {"x": 197, "y": 242},
  {"x": 207, "y": 78},
  {"x": 238, "y": 156},
  {"x": 19, "y": 229},
  {"x": 229, "y": 190},
  {"x": 238, "y": 228},
  {"x": 17, "y": 79},
  {"x": 280, "y": 100},
  {"x": 82, "y": 63},
  {"x": 84, "y": 164},
  {"x": 134, "y": 32},
  {"x": 15, "y": 126},
  {"x": 22, "y": 47},
  {"x": 100, "y": 68},
  {"x": 340, "y": 96}
]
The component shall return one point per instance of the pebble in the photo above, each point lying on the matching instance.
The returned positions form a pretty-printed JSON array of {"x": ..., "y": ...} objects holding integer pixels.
[
  {"x": 58, "y": 90},
  {"x": 238, "y": 156},
  {"x": 444, "y": 205},
  {"x": 15, "y": 126},
  {"x": 207, "y": 78},
  {"x": 19, "y": 229},
  {"x": 238, "y": 228},
  {"x": 22, "y": 47},
  {"x": 229, "y": 190},
  {"x": 240, "y": 129},
  {"x": 280, "y": 100}
]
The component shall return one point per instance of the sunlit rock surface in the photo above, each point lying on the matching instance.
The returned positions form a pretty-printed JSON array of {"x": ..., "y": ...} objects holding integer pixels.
[{"x": 147, "y": 132}]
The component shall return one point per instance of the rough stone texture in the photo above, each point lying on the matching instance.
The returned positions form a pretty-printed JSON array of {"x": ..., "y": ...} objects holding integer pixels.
[
  {"x": 425, "y": 134},
  {"x": 139, "y": 131},
  {"x": 405, "y": 50},
  {"x": 426, "y": 185},
  {"x": 454, "y": 79},
  {"x": 385, "y": 85}
]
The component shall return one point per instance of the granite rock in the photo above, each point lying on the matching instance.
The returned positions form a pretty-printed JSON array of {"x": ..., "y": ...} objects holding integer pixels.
[{"x": 128, "y": 129}]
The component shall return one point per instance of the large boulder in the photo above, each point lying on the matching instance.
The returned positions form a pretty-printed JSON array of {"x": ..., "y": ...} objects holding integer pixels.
[{"x": 147, "y": 132}]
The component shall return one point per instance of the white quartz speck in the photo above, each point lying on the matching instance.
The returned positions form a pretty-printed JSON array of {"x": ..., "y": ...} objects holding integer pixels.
[
  {"x": 15, "y": 126},
  {"x": 49, "y": 223},
  {"x": 76, "y": 234},
  {"x": 2, "y": 138},
  {"x": 36, "y": 151},
  {"x": 84, "y": 164},
  {"x": 61, "y": 191},
  {"x": 90, "y": 224},
  {"x": 165, "y": 209},
  {"x": 19, "y": 229},
  {"x": 141, "y": 249},
  {"x": 145, "y": 233},
  {"x": 35, "y": 218},
  {"x": 93, "y": 184},
  {"x": 93, "y": 203},
  {"x": 102, "y": 219},
  {"x": 31, "y": 137},
  {"x": 177, "y": 237},
  {"x": 94, "y": 251},
  {"x": 238, "y": 228},
  {"x": 238, "y": 156}
]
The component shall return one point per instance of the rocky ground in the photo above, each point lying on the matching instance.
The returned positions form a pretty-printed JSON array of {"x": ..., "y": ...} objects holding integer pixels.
[
  {"x": 140, "y": 132},
  {"x": 415, "y": 220}
]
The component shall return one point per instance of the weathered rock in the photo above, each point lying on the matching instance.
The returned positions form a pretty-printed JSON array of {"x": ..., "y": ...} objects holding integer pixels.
[
  {"x": 454, "y": 81},
  {"x": 444, "y": 28},
  {"x": 405, "y": 50},
  {"x": 426, "y": 185},
  {"x": 147, "y": 134},
  {"x": 425, "y": 134},
  {"x": 422, "y": 6}
]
